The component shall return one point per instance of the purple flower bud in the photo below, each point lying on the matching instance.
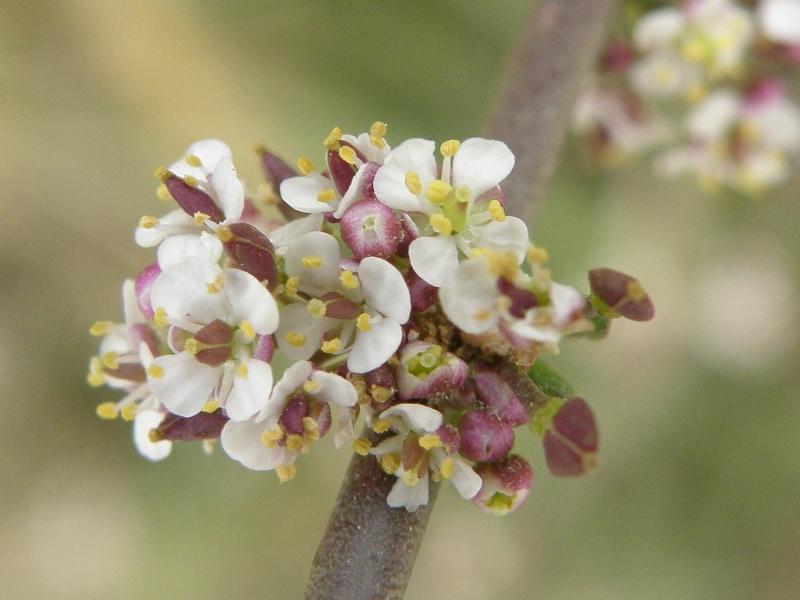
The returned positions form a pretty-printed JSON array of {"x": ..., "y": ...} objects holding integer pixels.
[
  {"x": 294, "y": 412},
  {"x": 192, "y": 200},
  {"x": 464, "y": 397},
  {"x": 218, "y": 335},
  {"x": 496, "y": 396},
  {"x": 425, "y": 371},
  {"x": 450, "y": 437},
  {"x": 341, "y": 171},
  {"x": 484, "y": 437},
  {"x": 142, "y": 284},
  {"x": 339, "y": 307},
  {"x": 264, "y": 348},
  {"x": 202, "y": 426},
  {"x": 410, "y": 233},
  {"x": 570, "y": 444},
  {"x": 370, "y": 228},
  {"x": 423, "y": 294},
  {"x": 506, "y": 485},
  {"x": 275, "y": 168},
  {"x": 251, "y": 251},
  {"x": 619, "y": 293}
]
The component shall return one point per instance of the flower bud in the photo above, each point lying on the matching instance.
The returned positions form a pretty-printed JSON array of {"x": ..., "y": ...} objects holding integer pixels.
[
  {"x": 484, "y": 437},
  {"x": 202, "y": 426},
  {"x": 422, "y": 293},
  {"x": 142, "y": 284},
  {"x": 370, "y": 228},
  {"x": 275, "y": 168},
  {"x": 506, "y": 485},
  {"x": 341, "y": 171},
  {"x": 495, "y": 395},
  {"x": 425, "y": 371},
  {"x": 251, "y": 251},
  {"x": 191, "y": 199},
  {"x": 614, "y": 293},
  {"x": 570, "y": 443}
]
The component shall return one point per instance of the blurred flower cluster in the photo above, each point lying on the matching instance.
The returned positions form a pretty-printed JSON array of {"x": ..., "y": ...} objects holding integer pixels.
[
  {"x": 702, "y": 84},
  {"x": 390, "y": 286}
]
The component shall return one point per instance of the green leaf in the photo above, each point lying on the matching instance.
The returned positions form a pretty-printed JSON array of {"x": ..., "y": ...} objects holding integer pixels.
[{"x": 550, "y": 382}]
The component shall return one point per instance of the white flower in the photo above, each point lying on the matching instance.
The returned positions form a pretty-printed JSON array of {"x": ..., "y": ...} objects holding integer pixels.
[
  {"x": 143, "y": 424},
  {"x": 410, "y": 462},
  {"x": 296, "y": 414},
  {"x": 780, "y": 20},
  {"x": 359, "y": 311},
  {"x": 462, "y": 208},
  {"x": 215, "y": 316}
]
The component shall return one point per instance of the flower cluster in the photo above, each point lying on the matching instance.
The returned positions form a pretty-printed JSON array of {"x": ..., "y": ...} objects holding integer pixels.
[
  {"x": 390, "y": 287},
  {"x": 703, "y": 78}
]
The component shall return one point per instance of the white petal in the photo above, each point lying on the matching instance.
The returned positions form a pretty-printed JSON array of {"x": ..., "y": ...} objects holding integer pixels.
[
  {"x": 178, "y": 247},
  {"x": 250, "y": 392},
  {"x": 292, "y": 378},
  {"x": 320, "y": 245},
  {"x": 144, "y": 422},
  {"x": 229, "y": 189},
  {"x": 510, "y": 235},
  {"x": 250, "y": 301},
  {"x": 242, "y": 442},
  {"x": 286, "y": 234},
  {"x": 469, "y": 298},
  {"x": 658, "y": 28},
  {"x": 712, "y": 119},
  {"x": 384, "y": 288},
  {"x": 375, "y": 346},
  {"x": 417, "y": 416},
  {"x": 182, "y": 290},
  {"x": 780, "y": 20},
  {"x": 353, "y": 194},
  {"x": 464, "y": 478},
  {"x": 133, "y": 314},
  {"x": 481, "y": 164},
  {"x": 186, "y": 385},
  {"x": 301, "y": 192},
  {"x": 409, "y": 497},
  {"x": 295, "y": 318},
  {"x": 388, "y": 446},
  {"x": 416, "y": 155},
  {"x": 172, "y": 223},
  {"x": 210, "y": 152},
  {"x": 333, "y": 388},
  {"x": 434, "y": 258}
]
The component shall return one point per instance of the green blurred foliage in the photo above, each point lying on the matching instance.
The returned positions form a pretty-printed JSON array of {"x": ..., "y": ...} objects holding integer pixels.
[{"x": 696, "y": 495}]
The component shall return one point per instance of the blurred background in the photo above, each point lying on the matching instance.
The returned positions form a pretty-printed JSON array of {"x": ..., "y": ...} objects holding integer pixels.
[{"x": 696, "y": 495}]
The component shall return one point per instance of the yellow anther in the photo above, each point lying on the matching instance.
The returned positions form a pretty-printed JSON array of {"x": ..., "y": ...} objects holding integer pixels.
[
  {"x": 111, "y": 360},
  {"x": 348, "y": 279},
  {"x": 331, "y": 346},
  {"x": 361, "y": 446},
  {"x": 96, "y": 379},
  {"x": 635, "y": 291},
  {"x": 483, "y": 314},
  {"x": 332, "y": 141},
  {"x": 316, "y": 308},
  {"x": 462, "y": 194},
  {"x": 410, "y": 478},
  {"x": 496, "y": 210},
  {"x": 441, "y": 224},
  {"x": 305, "y": 166},
  {"x": 215, "y": 287},
  {"x": 377, "y": 129},
  {"x": 224, "y": 234},
  {"x": 295, "y": 339},
  {"x": 348, "y": 155},
  {"x": 381, "y": 425},
  {"x": 450, "y": 147},
  {"x": 503, "y": 303},
  {"x": 241, "y": 369},
  {"x": 148, "y": 222},
  {"x": 377, "y": 142},
  {"x": 191, "y": 181},
  {"x": 192, "y": 160},
  {"x": 413, "y": 184},
  {"x": 363, "y": 322},
  {"x": 272, "y": 436},
  {"x": 430, "y": 441},
  {"x": 294, "y": 442},
  {"x": 200, "y": 217},
  {"x": 155, "y": 371},
  {"x": 311, "y": 261},
  {"x": 291, "y": 285},
  {"x": 107, "y": 410},
  {"x": 311, "y": 427},
  {"x": 155, "y": 436},
  {"x": 537, "y": 254},
  {"x": 446, "y": 468},
  {"x": 210, "y": 406},
  {"x": 285, "y": 472},
  {"x": 247, "y": 330},
  {"x": 310, "y": 386},
  {"x": 128, "y": 412},
  {"x": 326, "y": 196},
  {"x": 160, "y": 317},
  {"x": 380, "y": 393},
  {"x": 101, "y": 328},
  {"x": 390, "y": 463},
  {"x": 161, "y": 173},
  {"x": 694, "y": 50},
  {"x": 501, "y": 264},
  {"x": 163, "y": 193},
  {"x": 437, "y": 191}
]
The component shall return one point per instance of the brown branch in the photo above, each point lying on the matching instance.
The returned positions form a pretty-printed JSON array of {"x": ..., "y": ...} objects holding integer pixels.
[
  {"x": 369, "y": 548},
  {"x": 531, "y": 113}
]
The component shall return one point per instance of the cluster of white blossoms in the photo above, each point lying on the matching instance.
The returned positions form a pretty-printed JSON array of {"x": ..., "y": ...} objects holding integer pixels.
[
  {"x": 702, "y": 78},
  {"x": 389, "y": 287}
]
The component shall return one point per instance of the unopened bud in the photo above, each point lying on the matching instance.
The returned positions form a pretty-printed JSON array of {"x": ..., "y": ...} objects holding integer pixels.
[
  {"x": 191, "y": 199},
  {"x": 252, "y": 252},
  {"x": 484, "y": 437},
  {"x": 506, "y": 485},
  {"x": 616, "y": 294},
  {"x": 142, "y": 284},
  {"x": 496, "y": 396},
  {"x": 570, "y": 444},
  {"x": 202, "y": 426},
  {"x": 341, "y": 171}
]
